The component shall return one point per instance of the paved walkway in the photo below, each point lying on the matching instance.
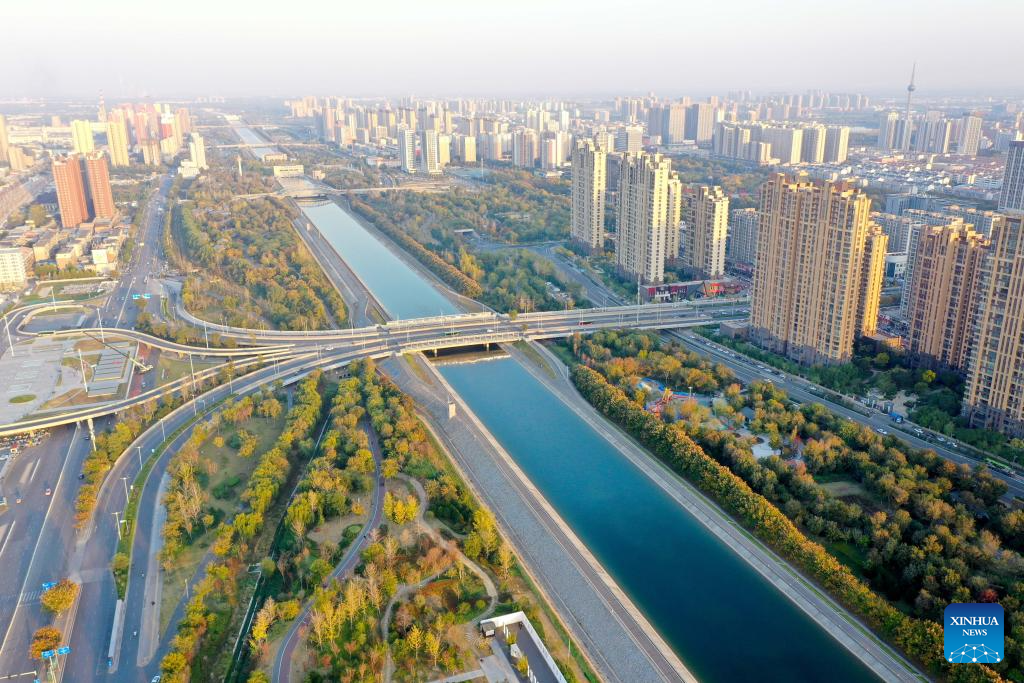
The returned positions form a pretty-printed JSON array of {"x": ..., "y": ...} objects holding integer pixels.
[{"x": 619, "y": 641}]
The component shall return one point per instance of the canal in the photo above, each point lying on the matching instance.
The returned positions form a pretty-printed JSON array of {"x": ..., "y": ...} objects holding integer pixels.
[
  {"x": 249, "y": 137},
  {"x": 722, "y": 618}
]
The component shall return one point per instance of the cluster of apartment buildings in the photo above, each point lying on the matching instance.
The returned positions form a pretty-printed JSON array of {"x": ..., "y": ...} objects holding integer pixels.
[
  {"x": 769, "y": 142},
  {"x": 819, "y": 263},
  {"x": 658, "y": 219}
]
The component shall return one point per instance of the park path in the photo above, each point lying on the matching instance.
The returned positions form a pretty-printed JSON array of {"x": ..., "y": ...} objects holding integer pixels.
[{"x": 405, "y": 590}]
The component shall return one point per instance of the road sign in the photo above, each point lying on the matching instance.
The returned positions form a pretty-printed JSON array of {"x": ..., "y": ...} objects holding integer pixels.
[
  {"x": 46, "y": 654},
  {"x": 63, "y": 650},
  {"x": 146, "y": 296},
  {"x": 134, "y": 297},
  {"x": 48, "y": 585}
]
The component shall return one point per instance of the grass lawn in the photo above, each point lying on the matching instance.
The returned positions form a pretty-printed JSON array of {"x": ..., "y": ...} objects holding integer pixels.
[
  {"x": 227, "y": 466},
  {"x": 845, "y": 488},
  {"x": 170, "y": 368},
  {"x": 23, "y": 398}
]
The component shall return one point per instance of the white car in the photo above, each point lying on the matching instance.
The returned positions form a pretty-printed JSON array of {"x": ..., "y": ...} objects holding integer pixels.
[{"x": 881, "y": 431}]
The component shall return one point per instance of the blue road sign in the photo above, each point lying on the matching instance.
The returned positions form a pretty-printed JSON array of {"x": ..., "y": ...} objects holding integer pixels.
[
  {"x": 146, "y": 296},
  {"x": 134, "y": 297},
  {"x": 63, "y": 650},
  {"x": 48, "y": 585},
  {"x": 46, "y": 654}
]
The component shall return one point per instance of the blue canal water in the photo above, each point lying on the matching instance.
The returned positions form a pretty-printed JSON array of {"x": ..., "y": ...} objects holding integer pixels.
[
  {"x": 251, "y": 138},
  {"x": 722, "y": 618},
  {"x": 399, "y": 288}
]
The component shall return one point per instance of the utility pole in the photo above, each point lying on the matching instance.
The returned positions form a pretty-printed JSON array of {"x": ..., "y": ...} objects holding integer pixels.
[
  {"x": 7, "y": 326},
  {"x": 81, "y": 363}
]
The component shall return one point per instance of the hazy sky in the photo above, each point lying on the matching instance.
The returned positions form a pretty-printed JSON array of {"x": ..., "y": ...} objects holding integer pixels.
[{"x": 511, "y": 47}]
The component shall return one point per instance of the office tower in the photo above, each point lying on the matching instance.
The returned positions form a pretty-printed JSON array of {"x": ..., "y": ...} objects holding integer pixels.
[
  {"x": 525, "y": 148},
  {"x": 589, "y": 167},
  {"x": 67, "y": 177},
  {"x": 1011, "y": 197},
  {"x": 837, "y": 144},
  {"x": 430, "y": 160},
  {"x": 5, "y": 143},
  {"x": 700, "y": 122},
  {"x": 81, "y": 137},
  {"x": 818, "y": 259},
  {"x": 992, "y": 397},
  {"x": 812, "y": 146},
  {"x": 970, "y": 135},
  {"x": 887, "y": 130},
  {"x": 629, "y": 139},
  {"x": 100, "y": 193},
  {"x": 197, "y": 151},
  {"x": 407, "y": 149},
  {"x": 940, "y": 306},
  {"x": 705, "y": 228},
  {"x": 741, "y": 245},
  {"x": 642, "y": 216},
  {"x": 117, "y": 142}
]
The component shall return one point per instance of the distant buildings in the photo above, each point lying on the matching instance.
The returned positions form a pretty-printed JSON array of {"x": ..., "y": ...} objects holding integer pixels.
[
  {"x": 705, "y": 226},
  {"x": 67, "y": 177},
  {"x": 940, "y": 300},
  {"x": 81, "y": 137},
  {"x": 589, "y": 178},
  {"x": 197, "y": 151},
  {"x": 819, "y": 270},
  {"x": 970, "y": 135},
  {"x": 781, "y": 142},
  {"x": 642, "y": 216},
  {"x": 1011, "y": 196},
  {"x": 117, "y": 142},
  {"x": 629, "y": 140},
  {"x": 15, "y": 267},
  {"x": 4, "y": 139},
  {"x": 700, "y": 122},
  {"x": 994, "y": 393}
]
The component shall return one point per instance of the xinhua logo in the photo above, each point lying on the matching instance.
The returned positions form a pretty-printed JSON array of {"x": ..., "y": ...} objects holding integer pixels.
[{"x": 974, "y": 633}]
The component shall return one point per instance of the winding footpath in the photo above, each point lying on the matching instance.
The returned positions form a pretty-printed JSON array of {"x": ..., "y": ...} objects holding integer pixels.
[
  {"x": 408, "y": 589},
  {"x": 283, "y": 660}
]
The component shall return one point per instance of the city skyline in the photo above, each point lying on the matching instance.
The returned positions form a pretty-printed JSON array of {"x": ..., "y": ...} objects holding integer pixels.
[{"x": 240, "y": 51}]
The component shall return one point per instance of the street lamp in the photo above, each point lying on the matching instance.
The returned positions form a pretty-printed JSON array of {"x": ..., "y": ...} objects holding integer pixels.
[
  {"x": 124, "y": 480},
  {"x": 117, "y": 523},
  {"x": 139, "y": 449}
]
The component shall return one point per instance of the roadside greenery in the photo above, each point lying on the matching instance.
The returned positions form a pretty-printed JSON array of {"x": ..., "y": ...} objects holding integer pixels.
[
  {"x": 934, "y": 395},
  {"x": 254, "y": 265},
  {"x": 203, "y": 636},
  {"x": 893, "y": 532}
]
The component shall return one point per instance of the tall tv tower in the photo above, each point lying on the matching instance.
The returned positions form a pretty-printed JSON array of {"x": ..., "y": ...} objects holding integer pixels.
[{"x": 907, "y": 126}]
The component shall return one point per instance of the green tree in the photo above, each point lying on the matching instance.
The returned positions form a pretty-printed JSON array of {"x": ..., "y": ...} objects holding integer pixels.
[{"x": 60, "y": 598}]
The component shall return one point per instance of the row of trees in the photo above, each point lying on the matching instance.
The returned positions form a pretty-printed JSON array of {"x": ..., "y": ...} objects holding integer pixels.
[
  {"x": 448, "y": 273},
  {"x": 920, "y": 639},
  {"x": 202, "y": 633}
]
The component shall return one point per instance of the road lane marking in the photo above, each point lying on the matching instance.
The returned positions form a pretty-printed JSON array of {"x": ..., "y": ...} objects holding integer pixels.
[
  {"x": 8, "y": 537},
  {"x": 42, "y": 528}
]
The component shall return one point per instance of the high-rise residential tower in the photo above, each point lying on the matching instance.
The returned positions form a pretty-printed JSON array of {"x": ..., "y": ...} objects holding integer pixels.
[
  {"x": 994, "y": 393},
  {"x": 970, "y": 135},
  {"x": 642, "y": 216},
  {"x": 197, "y": 151},
  {"x": 700, "y": 122},
  {"x": 705, "y": 229},
  {"x": 81, "y": 137},
  {"x": 741, "y": 246},
  {"x": 100, "y": 194},
  {"x": 5, "y": 142},
  {"x": 589, "y": 182},
  {"x": 941, "y": 299},
  {"x": 430, "y": 161},
  {"x": 820, "y": 262},
  {"x": 117, "y": 141},
  {"x": 407, "y": 149},
  {"x": 837, "y": 144},
  {"x": 1011, "y": 197},
  {"x": 67, "y": 177}
]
